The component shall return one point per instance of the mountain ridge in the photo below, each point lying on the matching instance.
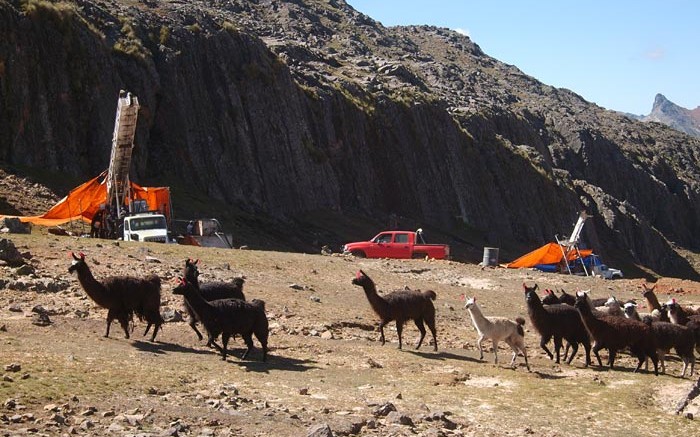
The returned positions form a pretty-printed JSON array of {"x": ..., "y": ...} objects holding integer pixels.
[{"x": 284, "y": 110}]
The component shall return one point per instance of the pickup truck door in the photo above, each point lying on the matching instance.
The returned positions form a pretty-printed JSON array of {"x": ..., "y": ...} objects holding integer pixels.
[{"x": 401, "y": 246}]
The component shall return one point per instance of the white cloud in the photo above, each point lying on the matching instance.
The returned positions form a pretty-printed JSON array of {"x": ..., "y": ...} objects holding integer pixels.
[
  {"x": 463, "y": 31},
  {"x": 655, "y": 54}
]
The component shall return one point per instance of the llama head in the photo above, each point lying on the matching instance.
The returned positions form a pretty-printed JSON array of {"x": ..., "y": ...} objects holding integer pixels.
[
  {"x": 191, "y": 270},
  {"x": 582, "y": 300},
  {"x": 78, "y": 262},
  {"x": 470, "y": 303},
  {"x": 629, "y": 308},
  {"x": 182, "y": 286},
  {"x": 526, "y": 288},
  {"x": 646, "y": 289},
  {"x": 530, "y": 294},
  {"x": 361, "y": 279}
]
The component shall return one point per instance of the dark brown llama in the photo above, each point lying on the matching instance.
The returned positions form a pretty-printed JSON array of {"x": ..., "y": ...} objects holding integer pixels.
[
  {"x": 400, "y": 305},
  {"x": 123, "y": 296},
  {"x": 209, "y": 291}
]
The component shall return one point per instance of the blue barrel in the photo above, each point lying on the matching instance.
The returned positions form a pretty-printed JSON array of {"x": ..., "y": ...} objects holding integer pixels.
[{"x": 490, "y": 256}]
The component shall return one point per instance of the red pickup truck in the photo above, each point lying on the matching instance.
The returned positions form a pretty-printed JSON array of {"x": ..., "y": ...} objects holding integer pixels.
[{"x": 397, "y": 244}]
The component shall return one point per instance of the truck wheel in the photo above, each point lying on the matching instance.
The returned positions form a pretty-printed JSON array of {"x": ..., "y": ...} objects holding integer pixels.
[
  {"x": 358, "y": 253},
  {"x": 419, "y": 256}
]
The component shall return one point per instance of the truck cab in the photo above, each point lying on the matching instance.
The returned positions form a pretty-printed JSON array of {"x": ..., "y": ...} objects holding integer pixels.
[{"x": 148, "y": 227}]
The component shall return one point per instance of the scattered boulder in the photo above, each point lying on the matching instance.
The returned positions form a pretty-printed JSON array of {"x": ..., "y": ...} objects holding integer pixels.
[
  {"x": 384, "y": 409},
  {"x": 171, "y": 315},
  {"x": 13, "y": 225},
  {"x": 320, "y": 430},
  {"x": 25, "y": 270},
  {"x": 397, "y": 418},
  {"x": 10, "y": 254}
]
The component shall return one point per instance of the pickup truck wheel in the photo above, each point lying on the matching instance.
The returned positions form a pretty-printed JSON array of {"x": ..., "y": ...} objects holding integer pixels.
[
  {"x": 358, "y": 253},
  {"x": 419, "y": 256}
]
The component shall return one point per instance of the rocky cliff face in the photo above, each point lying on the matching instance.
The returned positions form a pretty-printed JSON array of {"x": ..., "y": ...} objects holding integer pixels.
[{"x": 285, "y": 111}]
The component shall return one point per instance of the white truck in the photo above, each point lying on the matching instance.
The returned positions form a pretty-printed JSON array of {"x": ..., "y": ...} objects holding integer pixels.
[
  {"x": 601, "y": 270},
  {"x": 148, "y": 227}
]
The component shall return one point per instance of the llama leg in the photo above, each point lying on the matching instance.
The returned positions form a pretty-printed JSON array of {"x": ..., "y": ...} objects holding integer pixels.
[
  {"x": 110, "y": 318},
  {"x": 543, "y": 345},
  {"x": 574, "y": 349},
  {"x": 596, "y": 349},
  {"x": 124, "y": 322},
  {"x": 261, "y": 335},
  {"x": 430, "y": 321},
  {"x": 399, "y": 331},
  {"x": 381, "y": 330},
  {"x": 513, "y": 343},
  {"x": 478, "y": 344},
  {"x": 524, "y": 351},
  {"x": 611, "y": 357},
  {"x": 495, "y": 351},
  {"x": 421, "y": 328},
  {"x": 248, "y": 339},
  {"x": 155, "y": 318},
  {"x": 587, "y": 349},
  {"x": 224, "y": 343},
  {"x": 193, "y": 325},
  {"x": 655, "y": 360},
  {"x": 557, "y": 347}
]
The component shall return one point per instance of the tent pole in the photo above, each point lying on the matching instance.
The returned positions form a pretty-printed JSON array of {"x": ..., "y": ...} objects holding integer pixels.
[
  {"x": 581, "y": 258},
  {"x": 563, "y": 254}
]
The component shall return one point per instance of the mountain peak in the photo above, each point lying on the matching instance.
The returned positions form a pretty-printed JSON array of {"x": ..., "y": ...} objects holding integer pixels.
[{"x": 666, "y": 112}]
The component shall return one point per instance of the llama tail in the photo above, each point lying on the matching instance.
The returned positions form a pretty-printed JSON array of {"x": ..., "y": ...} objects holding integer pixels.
[
  {"x": 521, "y": 322},
  {"x": 430, "y": 294}
]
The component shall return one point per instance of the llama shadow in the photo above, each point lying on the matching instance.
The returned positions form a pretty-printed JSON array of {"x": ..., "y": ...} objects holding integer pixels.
[
  {"x": 252, "y": 363},
  {"x": 619, "y": 368},
  {"x": 164, "y": 348},
  {"x": 443, "y": 356},
  {"x": 548, "y": 375}
]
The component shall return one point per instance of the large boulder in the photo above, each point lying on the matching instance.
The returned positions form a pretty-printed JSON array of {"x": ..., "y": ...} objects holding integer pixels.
[
  {"x": 10, "y": 254},
  {"x": 13, "y": 225}
]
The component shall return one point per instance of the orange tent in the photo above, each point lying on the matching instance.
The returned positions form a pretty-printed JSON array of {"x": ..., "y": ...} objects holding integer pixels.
[
  {"x": 550, "y": 253},
  {"x": 84, "y": 201}
]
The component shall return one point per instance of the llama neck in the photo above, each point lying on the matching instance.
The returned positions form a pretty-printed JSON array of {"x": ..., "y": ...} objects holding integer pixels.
[
  {"x": 200, "y": 306},
  {"x": 652, "y": 301},
  {"x": 588, "y": 319},
  {"x": 94, "y": 288},
  {"x": 378, "y": 304},
  {"x": 477, "y": 317}
]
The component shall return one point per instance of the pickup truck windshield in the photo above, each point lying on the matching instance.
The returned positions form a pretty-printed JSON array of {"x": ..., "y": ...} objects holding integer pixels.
[{"x": 141, "y": 224}]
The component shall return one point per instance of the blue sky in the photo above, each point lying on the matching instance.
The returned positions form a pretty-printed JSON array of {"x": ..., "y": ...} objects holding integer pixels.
[{"x": 616, "y": 53}]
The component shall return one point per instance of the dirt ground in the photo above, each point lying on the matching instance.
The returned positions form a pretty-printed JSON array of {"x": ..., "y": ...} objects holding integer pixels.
[{"x": 325, "y": 365}]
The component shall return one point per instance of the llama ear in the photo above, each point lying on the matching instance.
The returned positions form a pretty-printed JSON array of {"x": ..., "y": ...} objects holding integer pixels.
[
  {"x": 462, "y": 297},
  {"x": 359, "y": 274},
  {"x": 524, "y": 287},
  {"x": 82, "y": 256},
  {"x": 535, "y": 287},
  {"x": 196, "y": 261},
  {"x": 75, "y": 257}
]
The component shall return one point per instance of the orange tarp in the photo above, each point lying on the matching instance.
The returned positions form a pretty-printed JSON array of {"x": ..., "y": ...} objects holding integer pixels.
[
  {"x": 550, "y": 253},
  {"x": 84, "y": 201}
]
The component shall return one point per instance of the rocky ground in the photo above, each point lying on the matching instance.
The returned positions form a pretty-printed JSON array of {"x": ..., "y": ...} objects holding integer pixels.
[{"x": 326, "y": 369}]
